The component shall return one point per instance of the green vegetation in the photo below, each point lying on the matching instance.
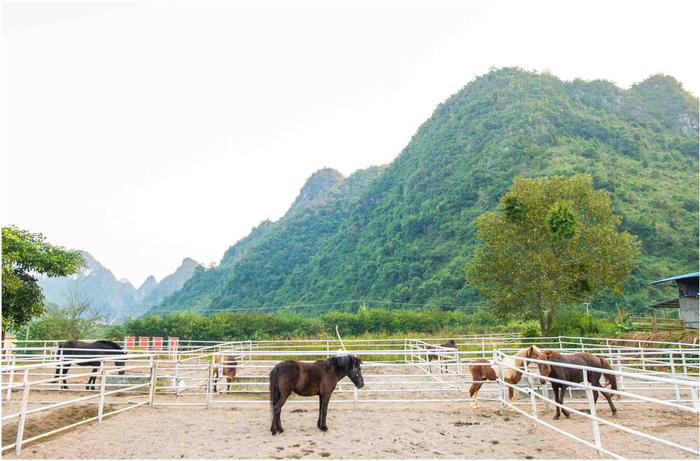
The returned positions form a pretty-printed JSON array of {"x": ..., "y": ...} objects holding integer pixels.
[
  {"x": 552, "y": 243},
  {"x": 404, "y": 233},
  {"x": 24, "y": 255},
  {"x": 366, "y": 323}
]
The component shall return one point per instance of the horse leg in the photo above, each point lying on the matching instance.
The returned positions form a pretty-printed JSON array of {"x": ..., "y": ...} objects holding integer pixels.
[
  {"x": 555, "y": 388},
  {"x": 324, "y": 411},
  {"x": 65, "y": 376},
  {"x": 215, "y": 378},
  {"x": 91, "y": 381},
  {"x": 561, "y": 400},
  {"x": 473, "y": 391},
  {"x": 277, "y": 418},
  {"x": 610, "y": 402}
]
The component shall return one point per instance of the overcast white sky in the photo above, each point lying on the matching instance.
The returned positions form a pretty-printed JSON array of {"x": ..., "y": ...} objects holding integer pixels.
[{"x": 148, "y": 132}]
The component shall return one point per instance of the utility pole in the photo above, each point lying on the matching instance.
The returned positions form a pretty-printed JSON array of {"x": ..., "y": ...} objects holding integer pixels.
[{"x": 587, "y": 311}]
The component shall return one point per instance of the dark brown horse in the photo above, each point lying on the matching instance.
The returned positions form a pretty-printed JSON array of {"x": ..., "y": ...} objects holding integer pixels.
[
  {"x": 75, "y": 350},
  {"x": 227, "y": 364},
  {"x": 574, "y": 375},
  {"x": 450, "y": 343},
  {"x": 307, "y": 379}
]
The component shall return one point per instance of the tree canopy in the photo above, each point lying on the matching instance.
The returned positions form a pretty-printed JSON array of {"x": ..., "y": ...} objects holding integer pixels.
[
  {"x": 24, "y": 255},
  {"x": 553, "y": 242}
]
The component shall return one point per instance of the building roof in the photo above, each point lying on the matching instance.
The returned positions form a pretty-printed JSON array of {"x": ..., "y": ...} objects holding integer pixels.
[
  {"x": 668, "y": 304},
  {"x": 690, "y": 275}
]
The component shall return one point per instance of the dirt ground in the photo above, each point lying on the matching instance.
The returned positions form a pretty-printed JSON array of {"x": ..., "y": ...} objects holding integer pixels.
[{"x": 379, "y": 430}]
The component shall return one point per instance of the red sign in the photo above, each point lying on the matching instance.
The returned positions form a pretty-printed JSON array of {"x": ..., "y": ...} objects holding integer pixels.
[
  {"x": 129, "y": 342},
  {"x": 143, "y": 342},
  {"x": 157, "y": 343},
  {"x": 173, "y": 343}
]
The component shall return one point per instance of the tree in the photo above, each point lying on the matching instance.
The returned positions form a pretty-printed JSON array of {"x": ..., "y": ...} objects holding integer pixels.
[
  {"x": 553, "y": 242},
  {"x": 24, "y": 255}
]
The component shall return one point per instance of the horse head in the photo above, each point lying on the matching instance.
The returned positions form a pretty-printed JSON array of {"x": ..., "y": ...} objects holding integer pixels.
[
  {"x": 350, "y": 364},
  {"x": 545, "y": 368},
  {"x": 450, "y": 343}
]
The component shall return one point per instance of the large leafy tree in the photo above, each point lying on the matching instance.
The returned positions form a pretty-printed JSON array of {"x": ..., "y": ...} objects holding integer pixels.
[
  {"x": 553, "y": 242},
  {"x": 25, "y": 255}
]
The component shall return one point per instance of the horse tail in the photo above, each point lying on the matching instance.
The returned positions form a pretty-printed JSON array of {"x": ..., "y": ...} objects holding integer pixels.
[
  {"x": 274, "y": 388},
  {"x": 610, "y": 379}
]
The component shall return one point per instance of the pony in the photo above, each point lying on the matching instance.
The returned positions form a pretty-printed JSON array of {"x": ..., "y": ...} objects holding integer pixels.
[
  {"x": 307, "y": 379},
  {"x": 227, "y": 365},
  {"x": 574, "y": 375},
  {"x": 75, "y": 349},
  {"x": 488, "y": 372},
  {"x": 450, "y": 343}
]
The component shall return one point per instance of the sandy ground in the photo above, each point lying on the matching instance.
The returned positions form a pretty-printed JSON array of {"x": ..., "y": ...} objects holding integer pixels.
[{"x": 426, "y": 430}]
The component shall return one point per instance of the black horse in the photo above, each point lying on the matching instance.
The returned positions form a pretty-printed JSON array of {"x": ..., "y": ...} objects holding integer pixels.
[
  {"x": 307, "y": 379},
  {"x": 75, "y": 350}
]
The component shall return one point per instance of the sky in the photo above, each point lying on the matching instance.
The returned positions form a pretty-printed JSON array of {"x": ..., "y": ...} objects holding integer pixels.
[{"x": 147, "y": 132}]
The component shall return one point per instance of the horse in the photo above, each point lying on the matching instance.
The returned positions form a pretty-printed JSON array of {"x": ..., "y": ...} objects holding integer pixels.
[
  {"x": 574, "y": 375},
  {"x": 511, "y": 373},
  {"x": 307, "y": 379},
  {"x": 75, "y": 349},
  {"x": 227, "y": 364},
  {"x": 450, "y": 343}
]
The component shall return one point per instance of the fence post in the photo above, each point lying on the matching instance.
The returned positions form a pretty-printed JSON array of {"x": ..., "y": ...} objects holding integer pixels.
[
  {"x": 12, "y": 377},
  {"x": 591, "y": 410},
  {"x": 22, "y": 413},
  {"x": 354, "y": 397},
  {"x": 209, "y": 374},
  {"x": 644, "y": 360},
  {"x": 501, "y": 394},
  {"x": 177, "y": 377},
  {"x": 673, "y": 374},
  {"x": 328, "y": 349},
  {"x": 685, "y": 368},
  {"x": 152, "y": 382},
  {"x": 580, "y": 340},
  {"x": 533, "y": 400},
  {"x": 483, "y": 349},
  {"x": 621, "y": 380},
  {"x": 103, "y": 383}
]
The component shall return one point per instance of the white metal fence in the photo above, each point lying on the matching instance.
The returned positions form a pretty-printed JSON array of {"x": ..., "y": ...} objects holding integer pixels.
[{"x": 661, "y": 374}]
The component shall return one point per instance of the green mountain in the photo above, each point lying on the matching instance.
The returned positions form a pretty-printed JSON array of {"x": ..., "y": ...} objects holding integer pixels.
[{"x": 404, "y": 233}]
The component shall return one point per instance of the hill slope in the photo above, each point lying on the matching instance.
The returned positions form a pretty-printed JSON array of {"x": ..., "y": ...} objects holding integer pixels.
[
  {"x": 115, "y": 299},
  {"x": 406, "y": 234}
]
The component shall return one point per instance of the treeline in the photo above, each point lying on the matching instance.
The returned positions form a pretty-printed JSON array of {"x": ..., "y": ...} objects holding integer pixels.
[{"x": 373, "y": 322}]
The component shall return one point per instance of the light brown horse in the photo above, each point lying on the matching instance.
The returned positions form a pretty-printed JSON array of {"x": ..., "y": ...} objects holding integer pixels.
[
  {"x": 450, "y": 343},
  {"x": 488, "y": 372},
  {"x": 574, "y": 375},
  {"x": 227, "y": 364},
  {"x": 307, "y": 379}
]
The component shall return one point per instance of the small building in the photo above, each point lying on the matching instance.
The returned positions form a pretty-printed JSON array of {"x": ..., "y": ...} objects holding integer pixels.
[{"x": 687, "y": 300}]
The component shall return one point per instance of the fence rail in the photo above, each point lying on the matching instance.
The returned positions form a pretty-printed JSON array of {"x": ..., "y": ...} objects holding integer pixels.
[{"x": 414, "y": 370}]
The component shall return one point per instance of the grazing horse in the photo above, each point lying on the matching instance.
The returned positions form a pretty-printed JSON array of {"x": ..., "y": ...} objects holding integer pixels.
[
  {"x": 307, "y": 379},
  {"x": 75, "y": 350},
  {"x": 450, "y": 343},
  {"x": 227, "y": 364},
  {"x": 574, "y": 375},
  {"x": 481, "y": 373}
]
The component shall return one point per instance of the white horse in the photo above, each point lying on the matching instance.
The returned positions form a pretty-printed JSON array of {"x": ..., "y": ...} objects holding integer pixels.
[{"x": 511, "y": 372}]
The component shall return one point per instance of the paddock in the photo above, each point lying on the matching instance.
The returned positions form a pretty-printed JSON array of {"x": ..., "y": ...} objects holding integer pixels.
[{"x": 403, "y": 392}]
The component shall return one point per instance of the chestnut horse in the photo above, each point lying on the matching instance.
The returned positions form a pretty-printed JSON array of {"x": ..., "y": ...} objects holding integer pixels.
[
  {"x": 574, "y": 375},
  {"x": 450, "y": 343},
  {"x": 307, "y": 379},
  {"x": 481, "y": 373},
  {"x": 227, "y": 364}
]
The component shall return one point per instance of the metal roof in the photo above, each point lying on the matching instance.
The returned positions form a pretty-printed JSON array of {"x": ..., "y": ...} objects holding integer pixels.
[
  {"x": 678, "y": 277},
  {"x": 669, "y": 303}
]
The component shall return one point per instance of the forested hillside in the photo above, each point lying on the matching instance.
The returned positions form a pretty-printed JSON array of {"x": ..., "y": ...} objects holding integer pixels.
[{"x": 405, "y": 232}]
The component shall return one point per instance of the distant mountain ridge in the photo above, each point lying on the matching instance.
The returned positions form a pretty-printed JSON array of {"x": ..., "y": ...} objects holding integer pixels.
[
  {"x": 405, "y": 232},
  {"x": 116, "y": 299}
]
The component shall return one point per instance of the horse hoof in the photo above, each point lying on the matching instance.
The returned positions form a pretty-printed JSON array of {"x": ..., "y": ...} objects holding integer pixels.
[
  {"x": 324, "y": 428},
  {"x": 556, "y": 417}
]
